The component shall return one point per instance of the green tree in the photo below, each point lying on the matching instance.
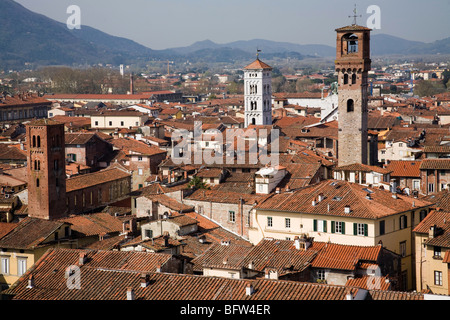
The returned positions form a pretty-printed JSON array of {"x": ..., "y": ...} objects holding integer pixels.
[
  {"x": 198, "y": 183},
  {"x": 426, "y": 88}
]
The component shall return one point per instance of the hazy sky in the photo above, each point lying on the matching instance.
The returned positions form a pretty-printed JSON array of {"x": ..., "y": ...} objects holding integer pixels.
[{"x": 161, "y": 24}]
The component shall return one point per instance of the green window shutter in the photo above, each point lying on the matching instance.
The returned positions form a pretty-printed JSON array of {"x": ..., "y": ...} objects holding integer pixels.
[
  {"x": 324, "y": 225},
  {"x": 355, "y": 229},
  {"x": 343, "y": 227},
  {"x": 366, "y": 230},
  {"x": 315, "y": 225},
  {"x": 332, "y": 226}
]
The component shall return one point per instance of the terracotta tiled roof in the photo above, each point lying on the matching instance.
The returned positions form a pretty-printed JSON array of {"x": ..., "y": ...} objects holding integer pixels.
[
  {"x": 224, "y": 197},
  {"x": 28, "y": 99},
  {"x": 367, "y": 281},
  {"x": 402, "y": 168},
  {"x": 344, "y": 257},
  {"x": 29, "y": 233},
  {"x": 439, "y": 164},
  {"x": 353, "y": 27},
  {"x": 5, "y": 228},
  {"x": 436, "y": 149},
  {"x": 222, "y": 257},
  {"x": 94, "y": 224},
  {"x": 257, "y": 65},
  {"x": 394, "y": 295},
  {"x": 95, "y": 178},
  {"x": 441, "y": 199},
  {"x": 363, "y": 168},
  {"x": 11, "y": 153},
  {"x": 132, "y": 146},
  {"x": 78, "y": 138},
  {"x": 170, "y": 203},
  {"x": 339, "y": 194}
]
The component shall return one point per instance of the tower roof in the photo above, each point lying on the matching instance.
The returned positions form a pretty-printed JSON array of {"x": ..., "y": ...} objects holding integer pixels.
[
  {"x": 353, "y": 27},
  {"x": 258, "y": 64},
  {"x": 43, "y": 122}
]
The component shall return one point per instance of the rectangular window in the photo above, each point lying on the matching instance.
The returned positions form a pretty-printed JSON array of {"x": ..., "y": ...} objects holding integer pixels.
[
  {"x": 287, "y": 222},
  {"x": 382, "y": 227},
  {"x": 338, "y": 227},
  {"x": 5, "y": 265},
  {"x": 121, "y": 123},
  {"x": 140, "y": 158},
  {"x": 148, "y": 233},
  {"x": 96, "y": 123},
  {"x": 321, "y": 274},
  {"x": 110, "y": 123},
  {"x": 231, "y": 216},
  {"x": 140, "y": 171},
  {"x": 431, "y": 187},
  {"x": 403, "y": 249},
  {"x": 437, "y": 252},
  {"x": 320, "y": 225},
  {"x": 403, "y": 221},
  {"x": 360, "y": 229},
  {"x": 21, "y": 266},
  {"x": 269, "y": 222},
  {"x": 438, "y": 278}
]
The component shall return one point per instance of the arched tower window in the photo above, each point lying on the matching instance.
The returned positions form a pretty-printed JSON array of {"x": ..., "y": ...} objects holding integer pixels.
[
  {"x": 345, "y": 78},
  {"x": 354, "y": 78},
  {"x": 38, "y": 141},
  {"x": 37, "y": 182},
  {"x": 350, "y": 105},
  {"x": 253, "y": 121},
  {"x": 34, "y": 141}
]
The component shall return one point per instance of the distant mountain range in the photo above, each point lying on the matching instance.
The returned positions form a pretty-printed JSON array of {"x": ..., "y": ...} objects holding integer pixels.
[{"x": 26, "y": 36}]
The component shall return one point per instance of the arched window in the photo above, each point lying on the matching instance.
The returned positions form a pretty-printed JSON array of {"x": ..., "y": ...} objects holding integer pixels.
[
  {"x": 38, "y": 141},
  {"x": 354, "y": 78},
  {"x": 253, "y": 121},
  {"x": 350, "y": 105},
  {"x": 349, "y": 44},
  {"x": 345, "y": 78},
  {"x": 37, "y": 182},
  {"x": 34, "y": 142}
]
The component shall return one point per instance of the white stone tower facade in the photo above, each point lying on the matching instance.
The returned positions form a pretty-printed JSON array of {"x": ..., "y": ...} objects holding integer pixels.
[{"x": 258, "y": 93}]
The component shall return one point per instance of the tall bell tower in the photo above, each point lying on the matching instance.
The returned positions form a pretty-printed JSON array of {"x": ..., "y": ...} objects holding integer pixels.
[
  {"x": 352, "y": 66},
  {"x": 258, "y": 93},
  {"x": 46, "y": 169}
]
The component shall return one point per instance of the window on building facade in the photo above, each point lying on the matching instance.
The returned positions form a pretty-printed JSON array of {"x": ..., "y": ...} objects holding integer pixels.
[
  {"x": 269, "y": 222},
  {"x": 338, "y": 227},
  {"x": 321, "y": 274},
  {"x": 320, "y": 225},
  {"x": 403, "y": 249},
  {"x": 360, "y": 229},
  {"x": 231, "y": 216},
  {"x": 437, "y": 252},
  {"x": 382, "y": 227},
  {"x": 287, "y": 222},
  {"x": 403, "y": 221},
  {"x": 21, "y": 266},
  {"x": 438, "y": 278},
  {"x": 4, "y": 265}
]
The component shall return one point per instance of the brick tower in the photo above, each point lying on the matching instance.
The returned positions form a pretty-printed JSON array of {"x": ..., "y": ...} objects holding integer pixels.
[
  {"x": 46, "y": 169},
  {"x": 258, "y": 93},
  {"x": 352, "y": 65}
]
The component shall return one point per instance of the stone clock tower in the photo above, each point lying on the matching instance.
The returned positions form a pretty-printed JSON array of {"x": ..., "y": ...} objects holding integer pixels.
[{"x": 352, "y": 66}]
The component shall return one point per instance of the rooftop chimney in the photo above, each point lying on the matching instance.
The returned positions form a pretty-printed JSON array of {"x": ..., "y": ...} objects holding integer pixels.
[
  {"x": 297, "y": 243},
  {"x": 432, "y": 232},
  {"x": 82, "y": 258},
  {"x": 347, "y": 209},
  {"x": 30, "y": 282},
  {"x": 130, "y": 293},
  {"x": 145, "y": 280},
  {"x": 249, "y": 290}
]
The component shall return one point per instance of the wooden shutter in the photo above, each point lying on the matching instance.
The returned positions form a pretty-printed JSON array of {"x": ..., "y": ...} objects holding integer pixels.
[
  {"x": 343, "y": 227},
  {"x": 355, "y": 229},
  {"x": 315, "y": 225},
  {"x": 332, "y": 226},
  {"x": 324, "y": 225},
  {"x": 366, "y": 230}
]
